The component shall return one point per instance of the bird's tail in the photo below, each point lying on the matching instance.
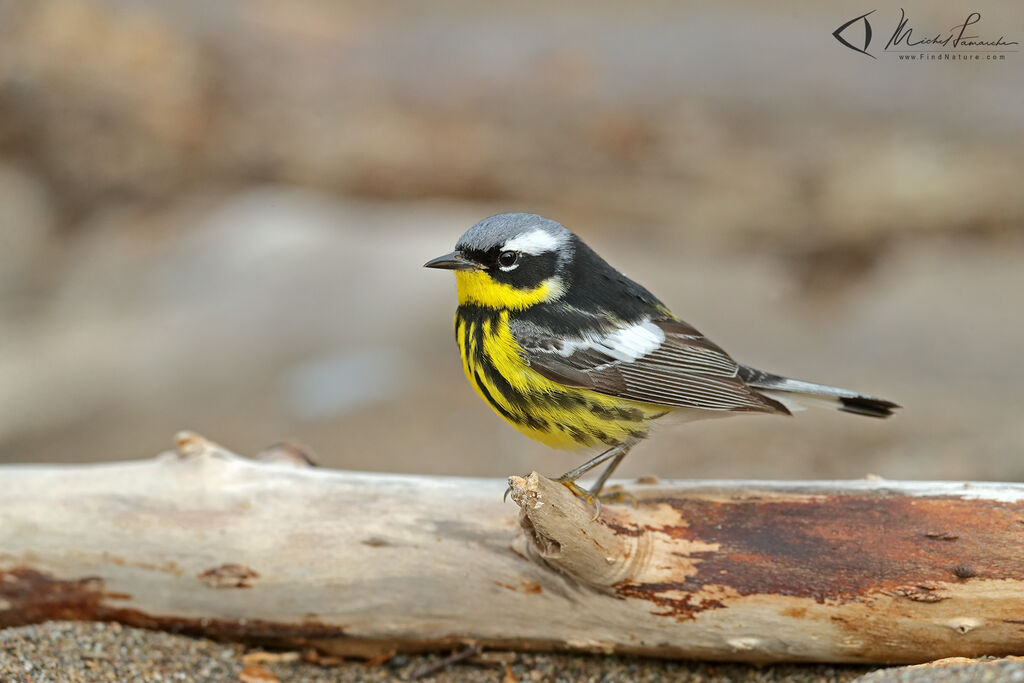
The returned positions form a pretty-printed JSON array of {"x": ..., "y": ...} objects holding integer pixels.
[{"x": 789, "y": 391}]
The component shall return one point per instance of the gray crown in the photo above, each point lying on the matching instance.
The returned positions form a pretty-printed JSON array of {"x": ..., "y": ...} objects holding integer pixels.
[{"x": 497, "y": 230}]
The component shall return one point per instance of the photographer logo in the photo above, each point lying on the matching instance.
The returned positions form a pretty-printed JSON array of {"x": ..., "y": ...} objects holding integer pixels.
[{"x": 910, "y": 41}]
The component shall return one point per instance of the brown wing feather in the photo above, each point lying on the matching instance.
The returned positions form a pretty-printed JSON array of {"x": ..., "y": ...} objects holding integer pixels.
[{"x": 686, "y": 370}]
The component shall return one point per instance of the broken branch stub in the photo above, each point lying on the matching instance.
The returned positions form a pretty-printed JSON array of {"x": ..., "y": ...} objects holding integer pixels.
[
  {"x": 204, "y": 541},
  {"x": 563, "y": 534}
]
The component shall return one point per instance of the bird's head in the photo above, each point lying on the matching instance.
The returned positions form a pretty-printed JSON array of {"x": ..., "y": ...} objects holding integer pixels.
[{"x": 510, "y": 261}]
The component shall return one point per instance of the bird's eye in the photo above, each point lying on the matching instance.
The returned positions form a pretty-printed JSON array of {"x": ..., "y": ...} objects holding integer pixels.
[{"x": 507, "y": 259}]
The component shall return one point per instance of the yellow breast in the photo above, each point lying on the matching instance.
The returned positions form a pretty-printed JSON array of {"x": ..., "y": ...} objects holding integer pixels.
[{"x": 559, "y": 416}]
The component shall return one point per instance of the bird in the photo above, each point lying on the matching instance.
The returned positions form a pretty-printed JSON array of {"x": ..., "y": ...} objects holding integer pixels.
[{"x": 576, "y": 355}]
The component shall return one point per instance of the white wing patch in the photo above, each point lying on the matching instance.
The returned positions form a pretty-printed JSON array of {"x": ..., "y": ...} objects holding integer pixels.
[
  {"x": 624, "y": 344},
  {"x": 535, "y": 242}
]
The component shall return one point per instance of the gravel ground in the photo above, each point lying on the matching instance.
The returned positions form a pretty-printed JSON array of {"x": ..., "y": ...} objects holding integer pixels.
[
  {"x": 73, "y": 652},
  {"x": 70, "y": 652},
  {"x": 955, "y": 670}
]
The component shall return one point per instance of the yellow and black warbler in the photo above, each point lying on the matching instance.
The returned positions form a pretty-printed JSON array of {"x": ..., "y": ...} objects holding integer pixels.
[{"x": 576, "y": 355}]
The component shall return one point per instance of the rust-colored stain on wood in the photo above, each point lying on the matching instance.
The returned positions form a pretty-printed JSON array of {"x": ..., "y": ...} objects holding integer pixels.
[
  {"x": 669, "y": 598},
  {"x": 525, "y": 586},
  {"x": 837, "y": 547},
  {"x": 28, "y": 596}
]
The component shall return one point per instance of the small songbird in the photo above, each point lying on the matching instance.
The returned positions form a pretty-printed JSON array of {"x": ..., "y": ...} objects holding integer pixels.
[{"x": 574, "y": 354}]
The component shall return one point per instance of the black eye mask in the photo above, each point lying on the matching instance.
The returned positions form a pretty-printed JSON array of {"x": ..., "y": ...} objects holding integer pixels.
[{"x": 529, "y": 271}]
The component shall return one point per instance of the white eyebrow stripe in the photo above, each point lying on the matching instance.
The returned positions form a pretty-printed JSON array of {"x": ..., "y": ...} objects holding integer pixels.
[{"x": 534, "y": 242}]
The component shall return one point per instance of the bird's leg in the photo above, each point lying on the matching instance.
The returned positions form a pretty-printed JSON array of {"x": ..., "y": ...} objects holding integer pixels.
[
  {"x": 568, "y": 480},
  {"x": 574, "y": 474},
  {"x": 614, "y": 496},
  {"x": 595, "y": 490}
]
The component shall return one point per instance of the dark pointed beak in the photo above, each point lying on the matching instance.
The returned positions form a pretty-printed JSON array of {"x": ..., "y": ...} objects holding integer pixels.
[{"x": 451, "y": 261}]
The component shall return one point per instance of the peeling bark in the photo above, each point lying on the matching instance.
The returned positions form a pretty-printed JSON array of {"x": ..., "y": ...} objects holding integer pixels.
[{"x": 203, "y": 541}]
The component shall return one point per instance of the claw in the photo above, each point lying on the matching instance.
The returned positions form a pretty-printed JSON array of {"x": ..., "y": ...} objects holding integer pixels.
[{"x": 583, "y": 495}]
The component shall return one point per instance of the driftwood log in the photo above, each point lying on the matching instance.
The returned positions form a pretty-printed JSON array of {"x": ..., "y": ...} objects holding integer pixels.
[{"x": 204, "y": 541}]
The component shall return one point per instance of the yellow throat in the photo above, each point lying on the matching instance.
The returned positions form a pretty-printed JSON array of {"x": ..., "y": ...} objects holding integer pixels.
[{"x": 477, "y": 287}]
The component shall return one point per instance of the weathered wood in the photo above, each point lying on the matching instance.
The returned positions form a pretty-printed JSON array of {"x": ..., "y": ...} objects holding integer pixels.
[{"x": 207, "y": 542}]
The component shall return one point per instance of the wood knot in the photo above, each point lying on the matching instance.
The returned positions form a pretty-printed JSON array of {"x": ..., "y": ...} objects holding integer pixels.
[{"x": 228, "y": 576}]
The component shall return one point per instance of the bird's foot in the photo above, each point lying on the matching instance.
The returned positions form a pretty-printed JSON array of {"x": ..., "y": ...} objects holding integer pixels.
[
  {"x": 583, "y": 494},
  {"x": 591, "y": 498},
  {"x": 619, "y": 496}
]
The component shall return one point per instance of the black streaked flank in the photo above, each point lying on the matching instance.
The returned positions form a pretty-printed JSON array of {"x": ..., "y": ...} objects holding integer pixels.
[{"x": 511, "y": 417}]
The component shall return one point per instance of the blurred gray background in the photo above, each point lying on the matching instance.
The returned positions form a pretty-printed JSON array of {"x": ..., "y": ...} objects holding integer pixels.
[{"x": 213, "y": 216}]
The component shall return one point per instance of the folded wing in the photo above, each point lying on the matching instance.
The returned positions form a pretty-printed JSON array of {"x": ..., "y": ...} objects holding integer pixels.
[{"x": 665, "y": 362}]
